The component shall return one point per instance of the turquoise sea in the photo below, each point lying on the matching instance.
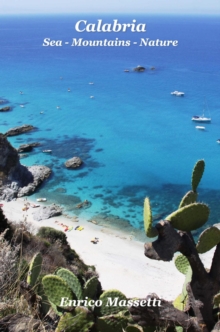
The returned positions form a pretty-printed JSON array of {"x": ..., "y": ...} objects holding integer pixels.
[{"x": 134, "y": 137}]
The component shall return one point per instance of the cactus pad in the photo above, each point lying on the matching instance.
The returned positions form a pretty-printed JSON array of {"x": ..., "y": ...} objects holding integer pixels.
[
  {"x": 197, "y": 174},
  {"x": 72, "y": 281},
  {"x": 216, "y": 299},
  {"x": 90, "y": 288},
  {"x": 189, "y": 217},
  {"x": 178, "y": 304},
  {"x": 108, "y": 309},
  {"x": 208, "y": 239},
  {"x": 189, "y": 198},
  {"x": 55, "y": 288},
  {"x": 134, "y": 328},
  {"x": 187, "y": 280},
  {"x": 45, "y": 305},
  {"x": 112, "y": 323},
  {"x": 182, "y": 264},
  {"x": 82, "y": 321},
  {"x": 148, "y": 219},
  {"x": 34, "y": 269},
  {"x": 58, "y": 311}
]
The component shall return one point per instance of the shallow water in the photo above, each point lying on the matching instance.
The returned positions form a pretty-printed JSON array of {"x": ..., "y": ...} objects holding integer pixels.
[{"x": 135, "y": 139}]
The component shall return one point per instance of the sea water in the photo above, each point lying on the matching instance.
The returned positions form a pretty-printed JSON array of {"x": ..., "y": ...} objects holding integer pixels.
[{"x": 135, "y": 138}]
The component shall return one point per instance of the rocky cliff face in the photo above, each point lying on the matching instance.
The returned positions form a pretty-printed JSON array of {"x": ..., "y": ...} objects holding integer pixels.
[
  {"x": 17, "y": 180},
  {"x": 9, "y": 159}
]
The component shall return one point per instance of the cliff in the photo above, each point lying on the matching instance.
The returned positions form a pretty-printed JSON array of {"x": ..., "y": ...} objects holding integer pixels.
[{"x": 17, "y": 180}]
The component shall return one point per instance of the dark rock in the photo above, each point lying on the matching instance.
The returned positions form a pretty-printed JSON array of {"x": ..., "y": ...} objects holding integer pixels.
[
  {"x": 19, "y": 130},
  {"x": 74, "y": 162},
  {"x": 5, "y": 109},
  {"x": 17, "y": 180},
  {"x": 139, "y": 69},
  {"x": 152, "y": 68},
  {"x": 85, "y": 204},
  {"x": 21, "y": 323},
  {"x": 46, "y": 212},
  {"x": 27, "y": 147}
]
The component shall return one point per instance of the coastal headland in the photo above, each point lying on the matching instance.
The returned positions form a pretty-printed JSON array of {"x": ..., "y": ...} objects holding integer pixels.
[{"x": 117, "y": 255}]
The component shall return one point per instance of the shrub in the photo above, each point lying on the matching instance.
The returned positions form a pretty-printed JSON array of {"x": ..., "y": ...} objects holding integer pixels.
[
  {"x": 52, "y": 235},
  {"x": 4, "y": 224}
]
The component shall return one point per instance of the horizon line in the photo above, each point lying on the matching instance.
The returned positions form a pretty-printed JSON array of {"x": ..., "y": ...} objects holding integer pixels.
[{"x": 109, "y": 13}]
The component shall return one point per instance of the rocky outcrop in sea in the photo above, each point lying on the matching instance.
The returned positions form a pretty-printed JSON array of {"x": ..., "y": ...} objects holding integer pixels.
[
  {"x": 139, "y": 68},
  {"x": 5, "y": 109},
  {"x": 17, "y": 180},
  {"x": 74, "y": 162},
  {"x": 28, "y": 147},
  {"x": 19, "y": 130}
]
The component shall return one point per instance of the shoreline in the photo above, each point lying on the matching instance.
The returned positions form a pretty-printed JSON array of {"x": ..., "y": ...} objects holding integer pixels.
[{"x": 118, "y": 258}]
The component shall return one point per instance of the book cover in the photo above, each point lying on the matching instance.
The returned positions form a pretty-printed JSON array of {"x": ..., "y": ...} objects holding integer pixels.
[{"x": 105, "y": 109}]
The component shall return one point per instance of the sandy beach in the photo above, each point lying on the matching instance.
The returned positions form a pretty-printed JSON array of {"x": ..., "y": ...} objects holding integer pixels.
[{"x": 119, "y": 259}]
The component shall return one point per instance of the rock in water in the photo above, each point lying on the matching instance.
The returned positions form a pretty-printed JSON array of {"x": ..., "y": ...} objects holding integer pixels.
[
  {"x": 5, "y": 109},
  {"x": 27, "y": 147},
  {"x": 17, "y": 180},
  {"x": 140, "y": 69},
  {"x": 74, "y": 162},
  {"x": 19, "y": 130},
  {"x": 46, "y": 212}
]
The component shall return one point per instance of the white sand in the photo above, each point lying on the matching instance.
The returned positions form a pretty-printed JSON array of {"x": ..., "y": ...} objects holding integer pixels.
[{"x": 119, "y": 260}]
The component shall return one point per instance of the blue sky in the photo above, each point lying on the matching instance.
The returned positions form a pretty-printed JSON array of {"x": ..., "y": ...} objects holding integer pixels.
[{"x": 110, "y": 6}]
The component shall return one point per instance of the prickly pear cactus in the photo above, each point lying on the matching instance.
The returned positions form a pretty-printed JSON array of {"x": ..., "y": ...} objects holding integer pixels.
[
  {"x": 189, "y": 217},
  {"x": 189, "y": 198},
  {"x": 148, "y": 219},
  {"x": 181, "y": 301},
  {"x": 56, "y": 288},
  {"x": 107, "y": 308},
  {"x": 216, "y": 299},
  {"x": 34, "y": 269},
  {"x": 197, "y": 174},
  {"x": 90, "y": 288},
  {"x": 45, "y": 305},
  {"x": 208, "y": 239},
  {"x": 182, "y": 264},
  {"x": 72, "y": 281},
  {"x": 112, "y": 323},
  {"x": 58, "y": 311},
  {"x": 81, "y": 321}
]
